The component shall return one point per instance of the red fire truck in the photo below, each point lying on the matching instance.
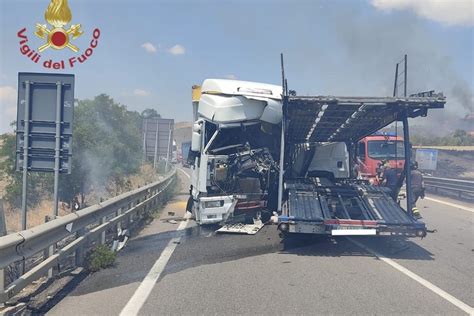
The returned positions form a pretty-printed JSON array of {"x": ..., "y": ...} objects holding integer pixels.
[{"x": 377, "y": 148}]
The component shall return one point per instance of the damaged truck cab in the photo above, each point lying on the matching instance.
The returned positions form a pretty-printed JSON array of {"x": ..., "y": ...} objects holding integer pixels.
[{"x": 235, "y": 149}]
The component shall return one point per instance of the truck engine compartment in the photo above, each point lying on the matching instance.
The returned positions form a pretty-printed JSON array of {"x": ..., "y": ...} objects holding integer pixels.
[{"x": 241, "y": 165}]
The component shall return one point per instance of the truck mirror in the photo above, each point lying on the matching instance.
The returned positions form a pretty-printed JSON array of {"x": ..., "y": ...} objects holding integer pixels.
[{"x": 196, "y": 138}]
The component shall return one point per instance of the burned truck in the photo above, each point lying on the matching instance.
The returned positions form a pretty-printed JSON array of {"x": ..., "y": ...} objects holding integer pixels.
[
  {"x": 234, "y": 150},
  {"x": 259, "y": 149}
]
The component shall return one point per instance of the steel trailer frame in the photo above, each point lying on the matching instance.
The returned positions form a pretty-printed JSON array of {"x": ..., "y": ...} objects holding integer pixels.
[{"x": 319, "y": 119}]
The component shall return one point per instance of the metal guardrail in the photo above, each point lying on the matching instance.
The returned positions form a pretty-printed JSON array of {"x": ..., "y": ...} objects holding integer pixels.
[
  {"x": 84, "y": 226},
  {"x": 448, "y": 148},
  {"x": 463, "y": 188}
]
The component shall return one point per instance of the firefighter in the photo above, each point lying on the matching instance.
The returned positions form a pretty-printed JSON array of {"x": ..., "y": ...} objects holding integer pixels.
[
  {"x": 390, "y": 180},
  {"x": 380, "y": 172},
  {"x": 417, "y": 186}
]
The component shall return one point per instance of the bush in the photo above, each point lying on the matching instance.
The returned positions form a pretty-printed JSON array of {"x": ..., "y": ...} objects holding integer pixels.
[{"x": 101, "y": 257}]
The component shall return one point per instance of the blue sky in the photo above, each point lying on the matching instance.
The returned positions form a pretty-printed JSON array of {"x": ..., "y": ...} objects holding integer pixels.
[{"x": 150, "y": 53}]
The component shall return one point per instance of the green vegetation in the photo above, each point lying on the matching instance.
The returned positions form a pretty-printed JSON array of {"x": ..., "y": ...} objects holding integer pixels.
[
  {"x": 41, "y": 181},
  {"x": 107, "y": 147},
  {"x": 458, "y": 138},
  {"x": 101, "y": 257},
  {"x": 150, "y": 113}
]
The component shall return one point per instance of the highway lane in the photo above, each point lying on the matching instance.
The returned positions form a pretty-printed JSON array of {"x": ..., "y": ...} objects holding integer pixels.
[{"x": 261, "y": 274}]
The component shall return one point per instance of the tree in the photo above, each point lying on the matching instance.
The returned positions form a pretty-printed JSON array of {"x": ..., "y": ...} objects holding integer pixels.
[
  {"x": 150, "y": 113},
  {"x": 106, "y": 147},
  {"x": 458, "y": 138}
]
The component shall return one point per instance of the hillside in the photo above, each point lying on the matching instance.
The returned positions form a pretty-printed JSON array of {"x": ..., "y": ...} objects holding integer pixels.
[{"x": 182, "y": 132}]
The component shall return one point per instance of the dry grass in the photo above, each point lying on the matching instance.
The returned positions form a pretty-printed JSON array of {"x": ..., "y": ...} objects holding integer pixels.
[
  {"x": 147, "y": 175},
  {"x": 37, "y": 215},
  {"x": 182, "y": 132}
]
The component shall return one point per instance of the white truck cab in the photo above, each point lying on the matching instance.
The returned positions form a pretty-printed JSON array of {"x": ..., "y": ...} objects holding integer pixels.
[{"x": 233, "y": 124}]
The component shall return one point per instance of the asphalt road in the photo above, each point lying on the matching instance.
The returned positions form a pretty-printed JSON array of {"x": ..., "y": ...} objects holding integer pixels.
[{"x": 192, "y": 270}]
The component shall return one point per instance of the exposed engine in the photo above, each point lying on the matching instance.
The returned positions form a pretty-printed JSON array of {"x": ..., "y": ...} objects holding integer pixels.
[{"x": 248, "y": 172}]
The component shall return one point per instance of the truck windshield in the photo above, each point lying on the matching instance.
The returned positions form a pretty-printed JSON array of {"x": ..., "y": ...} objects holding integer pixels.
[{"x": 382, "y": 149}]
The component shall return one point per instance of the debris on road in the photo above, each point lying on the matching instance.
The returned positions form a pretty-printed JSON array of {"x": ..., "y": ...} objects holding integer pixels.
[{"x": 240, "y": 228}]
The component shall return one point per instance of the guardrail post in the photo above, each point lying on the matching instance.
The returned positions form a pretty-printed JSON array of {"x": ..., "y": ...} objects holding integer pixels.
[
  {"x": 79, "y": 254},
  {"x": 2, "y": 284},
  {"x": 3, "y": 232},
  {"x": 48, "y": 251},
  {"x": 119, "y": 223},
  {"x": 130, "y": 215},
  {"x": 102, "y": 235}
]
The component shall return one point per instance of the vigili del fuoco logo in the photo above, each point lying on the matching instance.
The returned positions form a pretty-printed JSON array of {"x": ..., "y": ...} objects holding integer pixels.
[{"x": 57, "y": 36}]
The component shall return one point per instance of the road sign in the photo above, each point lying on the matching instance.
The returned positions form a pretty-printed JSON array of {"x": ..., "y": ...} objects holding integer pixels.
[
  {"x": 157, "y": 138},
  {"x": 40, "y": 103},
  {"x": 427, "y": 158},
  {"x": 44, "y": 128}
]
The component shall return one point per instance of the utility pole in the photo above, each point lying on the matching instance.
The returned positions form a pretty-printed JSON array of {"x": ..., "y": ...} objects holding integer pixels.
[{"x": 155, "y": 156}]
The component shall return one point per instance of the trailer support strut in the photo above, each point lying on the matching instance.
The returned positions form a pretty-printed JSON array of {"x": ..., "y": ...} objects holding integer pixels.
[{"x": 406, "y": 141}]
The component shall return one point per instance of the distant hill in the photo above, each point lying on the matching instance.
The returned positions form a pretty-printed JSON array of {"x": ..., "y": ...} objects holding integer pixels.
[{"x": 182, "y": 132}]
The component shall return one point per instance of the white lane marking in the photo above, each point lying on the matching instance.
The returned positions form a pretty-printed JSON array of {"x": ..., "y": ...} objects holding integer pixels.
[
  {"x": 143, "y": 291},
  {"x": 451, "y": 204},
  {"x": 185, "y": 173},
  {"x": 458, "y": 303}
]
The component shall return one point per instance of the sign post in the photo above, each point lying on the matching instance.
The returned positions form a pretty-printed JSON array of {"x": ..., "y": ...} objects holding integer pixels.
[
  {"x": 26, "y": 145},
  {"x": 57, "y": 145},
  {"x": 169, "y": 147},
  {"x": 156, "y": 147}
]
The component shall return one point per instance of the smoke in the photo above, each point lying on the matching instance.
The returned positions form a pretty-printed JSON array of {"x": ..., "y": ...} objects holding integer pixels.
[
  {"x": 98, "y": 161},
  {"x": 372, "y": 45},
  {"x": 97, "y": 174},
  {"x": 351, "y": 48},
  {"x": 463, "y": 95}
]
